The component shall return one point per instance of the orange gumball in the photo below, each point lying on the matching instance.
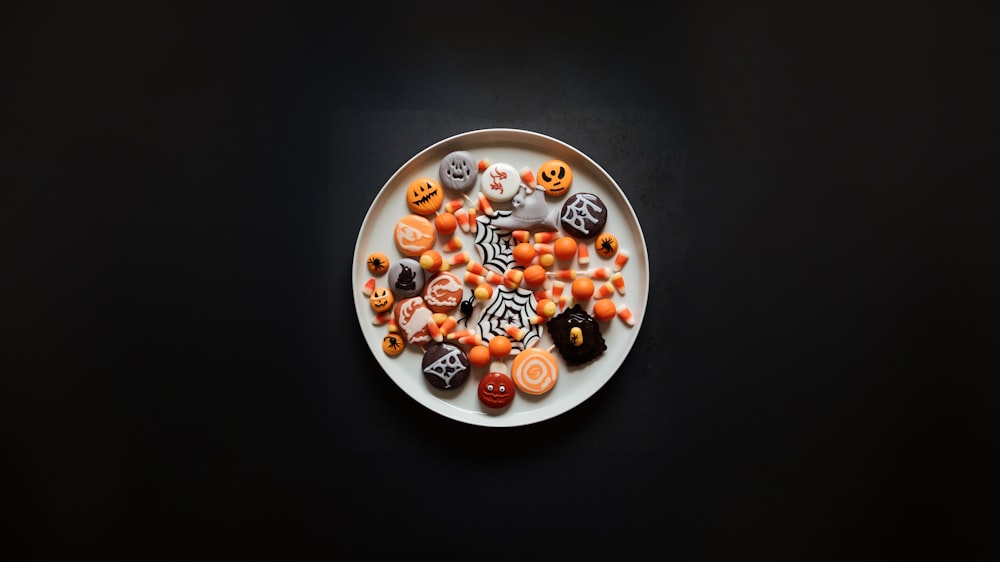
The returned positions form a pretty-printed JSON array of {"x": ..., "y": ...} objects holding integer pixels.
[
  {"x": 583, "y": 288},
  {"x": 499, "y": 347},
  {"x": 479, "y": 355},
  {"x": 524, "y": 253},
  {"x": 445, "y": 224},
  {"x": 604, "y": 309},
  {"x": 565, "y": 248},
  {"x": 534, "y": 275}
]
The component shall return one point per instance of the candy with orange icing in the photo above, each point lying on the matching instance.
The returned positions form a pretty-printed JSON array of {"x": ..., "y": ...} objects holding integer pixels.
[
  {"x": 413, "y": 234},
  {"x": 424, "y": 196},
  {"x": 377, "y": 262},
  {"x": 381, "y": 299},
  {"x": 555, "y": 177},
  {"x": 606, "y": 245}
]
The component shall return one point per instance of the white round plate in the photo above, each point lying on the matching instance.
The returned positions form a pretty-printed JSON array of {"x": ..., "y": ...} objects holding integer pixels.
[{"x": 575, "y": 384}]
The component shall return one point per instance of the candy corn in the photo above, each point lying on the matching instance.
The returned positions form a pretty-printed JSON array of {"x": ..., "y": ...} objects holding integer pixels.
[
  {"x": 626, "y": 315},
  {"x": 483, "y": 164},
  {"x": 382, "y": 318},
  {"x": 472, "y": 220},
  {"x": 605, "y": 290},
  {"x": 515, "y": 332},
  {"x": 434, "y": 330},
  {"x": 459, "y": 258},
  {"x": 369, "y": 287},
  {"x": 454, "y": 205},
  {"x": 582, "y": 254},
  {"x": 619, "y": 282},
  {"x": 484, "y": 205},
  {"x": 448, "y": 325},
  {"x": 620, "y": 260},
  {"x": 462, "y": 215},
  {"x": 599, "y": 273},
  {"x": 520, "y": 235},
  {"x": 453, "y": 245},
  {"x": 431, "y": 261},
  {"x": 546, "y": 236}
]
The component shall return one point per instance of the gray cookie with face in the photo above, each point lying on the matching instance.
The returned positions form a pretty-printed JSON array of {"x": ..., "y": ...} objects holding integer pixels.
[{"x": 458, "y": 171}]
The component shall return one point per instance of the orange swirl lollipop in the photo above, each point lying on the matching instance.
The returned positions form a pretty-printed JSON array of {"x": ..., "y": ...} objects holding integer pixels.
[{"x": 535, "y": 371}]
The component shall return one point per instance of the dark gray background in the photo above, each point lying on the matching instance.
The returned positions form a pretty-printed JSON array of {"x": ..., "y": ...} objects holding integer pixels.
[{"x": 182, "y": 189}]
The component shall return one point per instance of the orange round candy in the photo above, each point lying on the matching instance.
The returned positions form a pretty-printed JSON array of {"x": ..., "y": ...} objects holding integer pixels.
[
  {"x": 393, "y": 344},
  {"x": 534, "y": 275},
  {"x": 565, "y": 248},
  {"x": 445, "y": 223},
  {"x": 479, "y": 355},
  {"x": 583, "y": 288},
  {"x": 604, "y": 309},
  {"x": 499, "y": 347},
  {"x": 606, "y": 245},
  {"x": 524, "y": 253}
]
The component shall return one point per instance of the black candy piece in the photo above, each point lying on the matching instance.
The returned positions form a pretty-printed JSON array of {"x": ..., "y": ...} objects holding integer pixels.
[{"x": 593, "y": 342}]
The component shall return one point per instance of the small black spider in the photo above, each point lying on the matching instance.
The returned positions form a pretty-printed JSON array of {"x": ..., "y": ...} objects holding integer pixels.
[
  {"x": 606, "y": 246},
  {"x": 376, "y": 263},
  {"x": 466, "y": 308},
  {"x": 393, "y": 344}
]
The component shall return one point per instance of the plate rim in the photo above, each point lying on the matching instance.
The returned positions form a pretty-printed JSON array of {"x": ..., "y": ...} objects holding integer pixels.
[{"x": 514, "y": 136}]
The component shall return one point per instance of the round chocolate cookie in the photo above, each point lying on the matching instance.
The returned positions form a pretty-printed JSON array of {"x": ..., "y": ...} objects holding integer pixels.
[
  {"x": 406, "y": 278},
  {"x": 577, "y": 336},
  {"x": 458, "y": 171},
  {"x": 583, "y": 215},
  {"x": 445, "y": 365}
]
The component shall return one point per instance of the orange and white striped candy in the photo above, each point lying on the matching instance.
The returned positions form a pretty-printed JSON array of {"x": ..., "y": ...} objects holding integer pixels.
[
  {"x": 462, "y": 216},
  {"x": 620, "y": 260},
  {"x": 535, "y": 371},
  {"x": 582, "y": 254},
  {"x": 619, "y": 282},
  {"x": 626, "y": 315}
]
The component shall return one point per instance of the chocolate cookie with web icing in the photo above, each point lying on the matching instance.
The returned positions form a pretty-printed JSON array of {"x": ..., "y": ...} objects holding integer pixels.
[{"x": 583, "y": 215}]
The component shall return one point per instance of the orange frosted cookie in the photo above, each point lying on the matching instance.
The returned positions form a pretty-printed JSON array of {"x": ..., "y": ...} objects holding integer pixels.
[{"x": 413, "y": 234}]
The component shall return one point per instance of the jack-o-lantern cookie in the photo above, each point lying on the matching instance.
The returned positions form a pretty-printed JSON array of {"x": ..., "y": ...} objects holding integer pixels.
[
  {"x": 555, "y": 177},
  {"x": 381, "y": 299},
  {"x": 424, "y": 196}
]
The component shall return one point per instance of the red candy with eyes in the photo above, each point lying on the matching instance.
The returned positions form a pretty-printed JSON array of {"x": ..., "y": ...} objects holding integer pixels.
[{"x": 496, "y": 390}]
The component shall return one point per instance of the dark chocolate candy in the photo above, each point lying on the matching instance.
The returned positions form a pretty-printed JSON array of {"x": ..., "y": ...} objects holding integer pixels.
[
  {"x": 583, "y": 215},
  {"x": 445, "y": 365},
  {"x": 576, "y": 346}
]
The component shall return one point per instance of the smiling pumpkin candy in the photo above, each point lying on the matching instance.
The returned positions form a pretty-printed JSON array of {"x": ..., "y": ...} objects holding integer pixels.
[
  {"x": 424, "y": 196},
  {"x": 555, "y": 177}
]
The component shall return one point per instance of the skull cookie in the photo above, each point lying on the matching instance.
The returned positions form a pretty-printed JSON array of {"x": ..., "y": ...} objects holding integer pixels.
[{"x": 458, "y": 171}]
